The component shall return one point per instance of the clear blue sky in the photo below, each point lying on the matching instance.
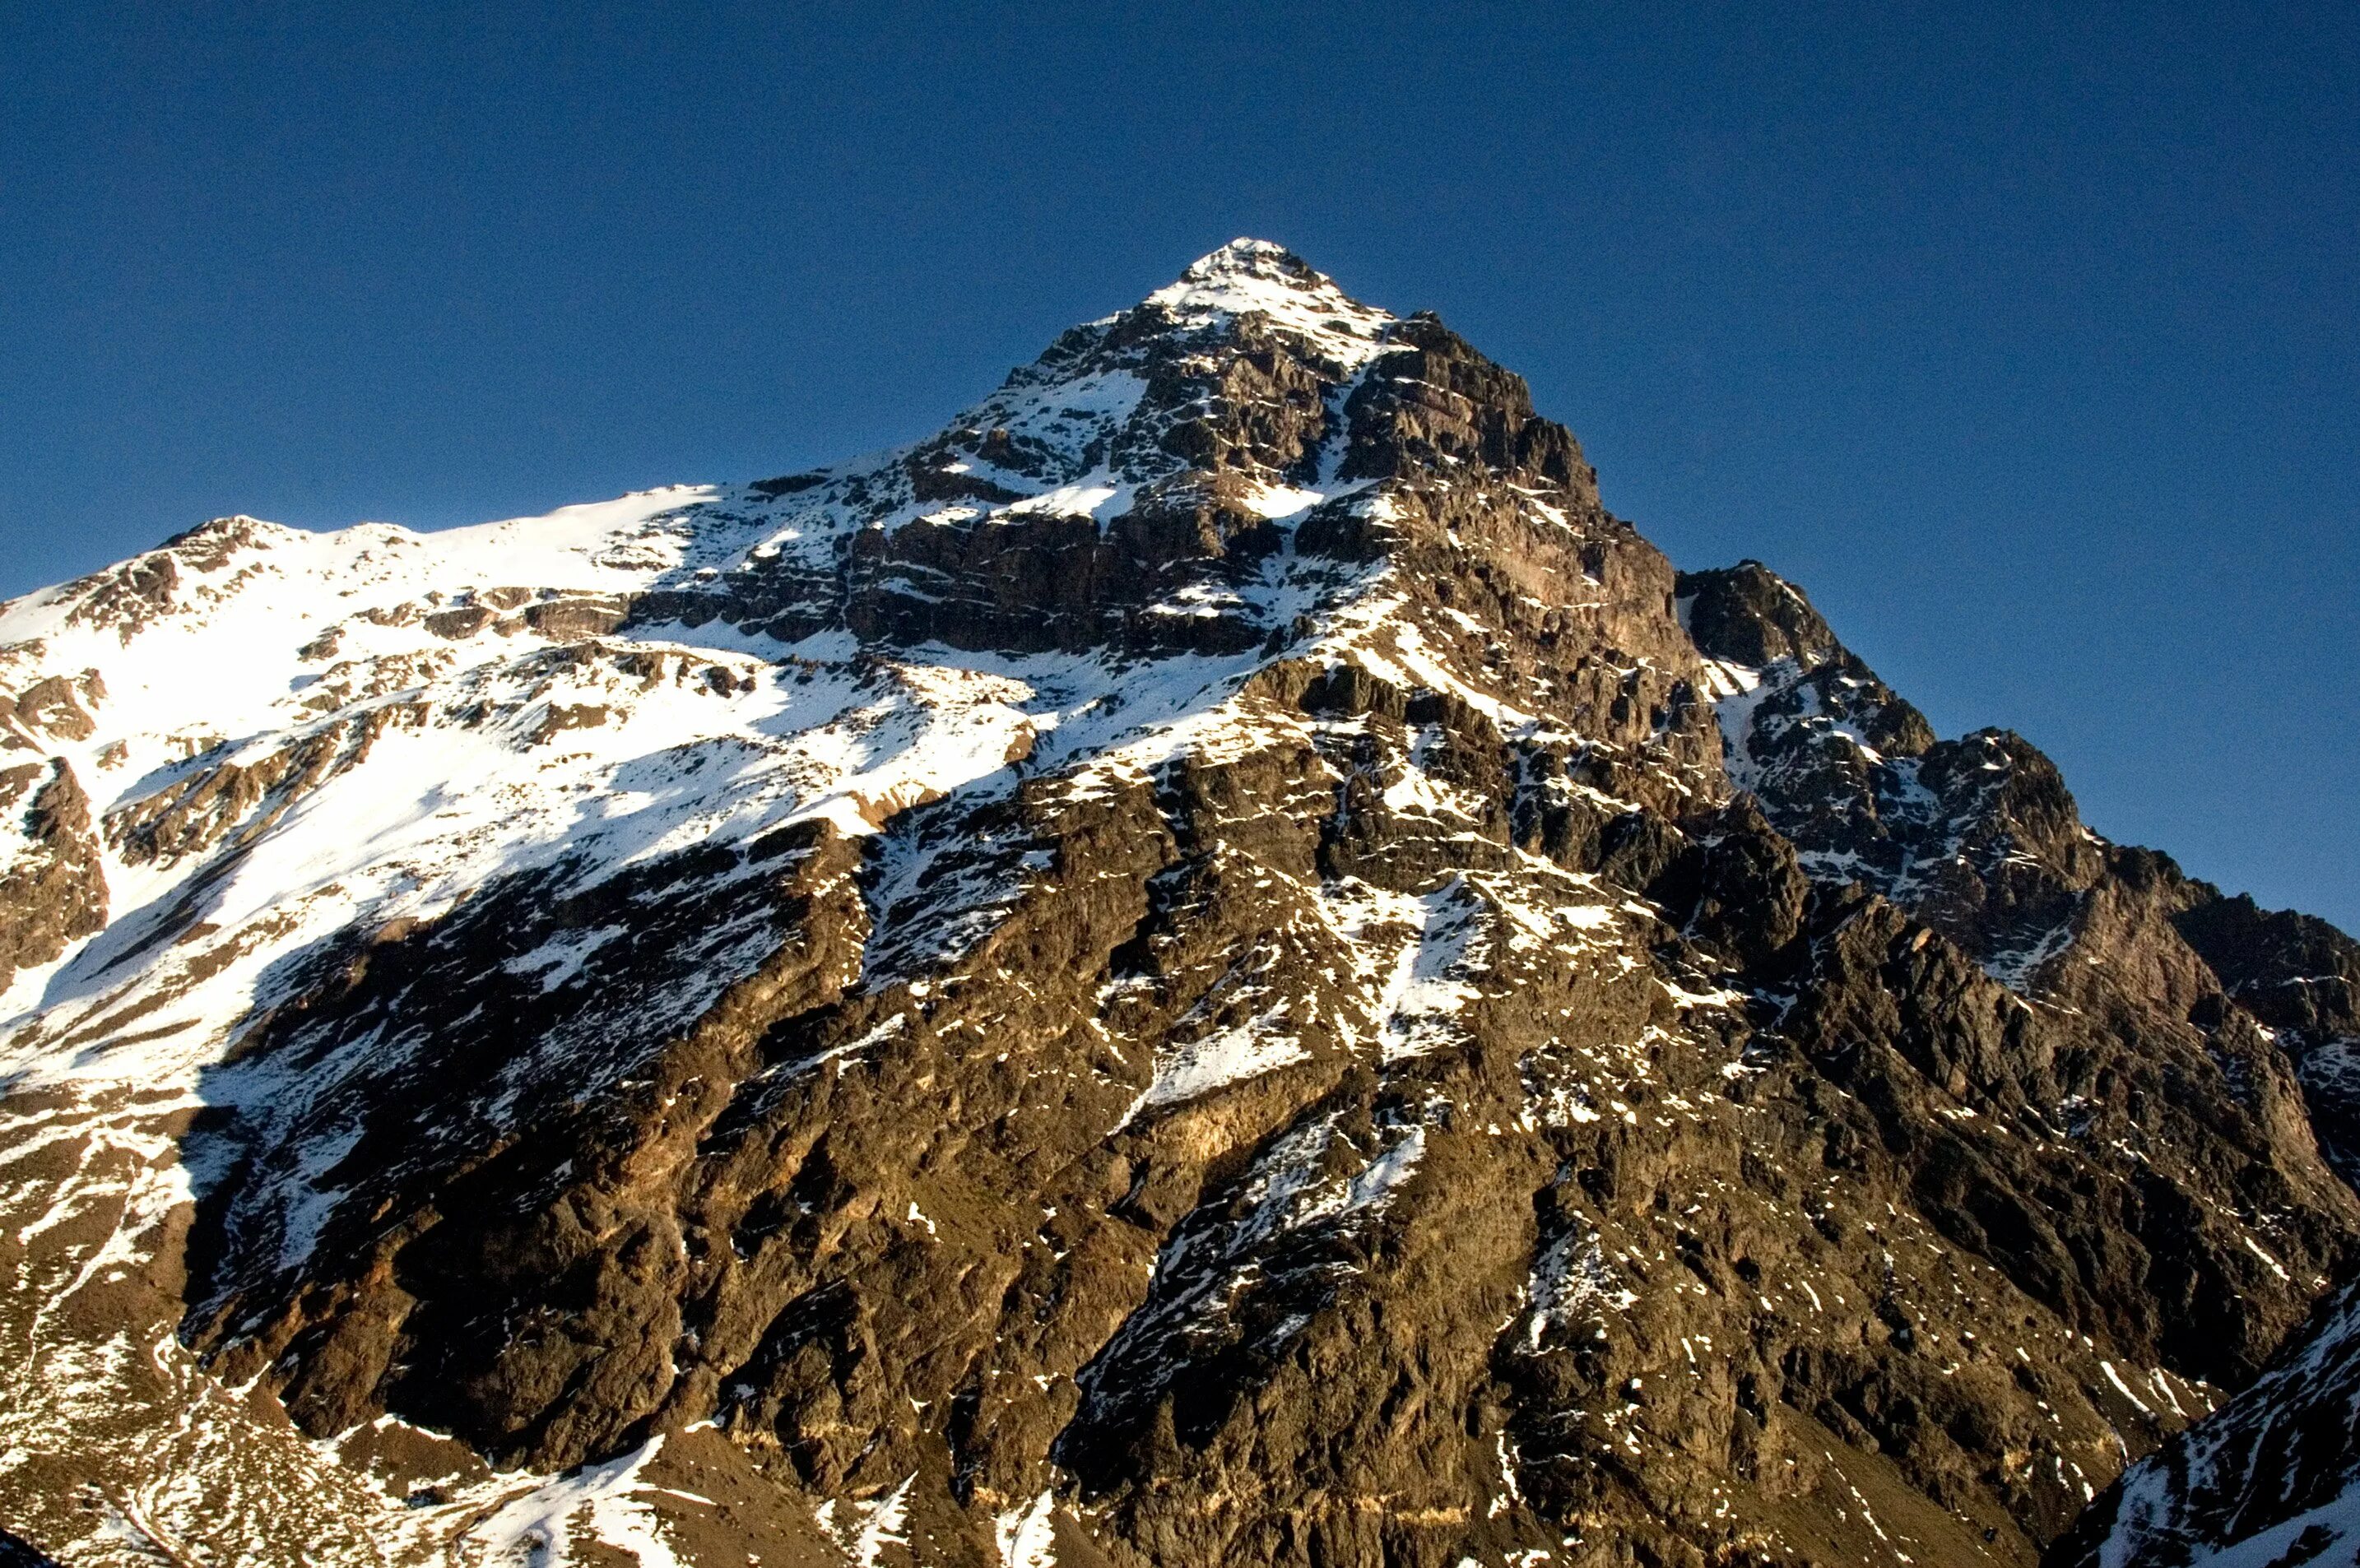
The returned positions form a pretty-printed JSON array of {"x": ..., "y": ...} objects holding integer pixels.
[{"x": 2028, "y": 341}]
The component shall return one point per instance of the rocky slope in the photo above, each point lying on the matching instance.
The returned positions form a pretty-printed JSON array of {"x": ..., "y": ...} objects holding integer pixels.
[{"x": 1214, "y": 964}]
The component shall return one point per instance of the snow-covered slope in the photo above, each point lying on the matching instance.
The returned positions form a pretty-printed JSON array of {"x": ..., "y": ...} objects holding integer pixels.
[
  {"x": 2271, "y": 1481},
  {"x": 304, "y": 732}
]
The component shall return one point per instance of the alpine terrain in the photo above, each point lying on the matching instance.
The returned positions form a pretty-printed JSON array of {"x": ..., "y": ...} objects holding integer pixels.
[{"x": 1212, "y": 965}]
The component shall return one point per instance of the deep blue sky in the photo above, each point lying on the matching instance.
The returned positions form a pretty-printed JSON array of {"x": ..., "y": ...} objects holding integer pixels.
[{"x": 2027, "y": 341}]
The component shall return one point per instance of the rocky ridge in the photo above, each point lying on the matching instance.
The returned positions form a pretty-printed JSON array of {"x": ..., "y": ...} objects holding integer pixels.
[{"x": 1214, "y": 963}]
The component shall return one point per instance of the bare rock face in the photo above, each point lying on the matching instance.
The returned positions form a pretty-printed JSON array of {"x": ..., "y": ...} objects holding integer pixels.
[
  {"x": 52, "y": 885},
  {"x": 2275, "y": 1477},
  {"x": 1213, "y": 964}
]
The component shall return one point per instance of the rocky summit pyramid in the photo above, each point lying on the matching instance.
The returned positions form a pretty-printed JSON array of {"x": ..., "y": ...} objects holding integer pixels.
[{"x": 1213, "y": 966}]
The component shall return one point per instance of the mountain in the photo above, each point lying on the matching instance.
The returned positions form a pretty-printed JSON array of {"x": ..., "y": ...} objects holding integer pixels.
[{"x": 1214, "y": 964}]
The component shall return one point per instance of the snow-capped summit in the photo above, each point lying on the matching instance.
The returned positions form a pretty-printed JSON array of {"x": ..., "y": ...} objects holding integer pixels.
[{"x": 1250, "y": 275}]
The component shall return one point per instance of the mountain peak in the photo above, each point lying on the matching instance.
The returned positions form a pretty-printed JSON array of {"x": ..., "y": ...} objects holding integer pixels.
[
  {"x": 1251, "y": 277},
  {"x": 1248, "y": 255}
]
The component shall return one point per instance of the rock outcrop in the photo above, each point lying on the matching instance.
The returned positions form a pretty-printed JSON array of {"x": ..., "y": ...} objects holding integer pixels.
[{"x": 52, "y": 886}]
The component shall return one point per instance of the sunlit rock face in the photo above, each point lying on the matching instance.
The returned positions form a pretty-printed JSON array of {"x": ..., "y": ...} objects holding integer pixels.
[{"x": 1213, "y": 964}]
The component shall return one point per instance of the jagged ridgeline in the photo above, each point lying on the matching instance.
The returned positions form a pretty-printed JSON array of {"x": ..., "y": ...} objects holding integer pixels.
[{"x": 1214, "y": 965}]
